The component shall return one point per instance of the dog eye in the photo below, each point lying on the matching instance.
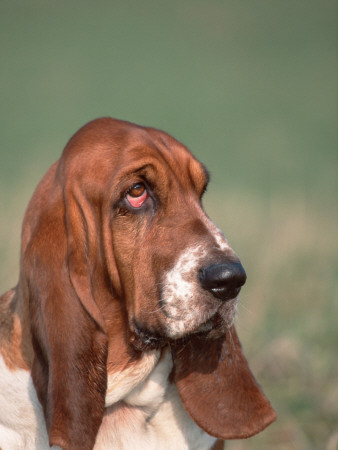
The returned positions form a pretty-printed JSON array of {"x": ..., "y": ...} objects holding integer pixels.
[{"x": 137, "y": 195}]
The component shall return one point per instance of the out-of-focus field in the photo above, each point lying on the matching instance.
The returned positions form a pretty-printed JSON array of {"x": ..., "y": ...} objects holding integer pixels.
[{"x": 250, "y": 87}]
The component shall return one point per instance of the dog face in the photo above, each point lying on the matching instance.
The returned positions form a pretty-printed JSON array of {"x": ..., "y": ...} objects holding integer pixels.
[{"x": 172, "y": 266}]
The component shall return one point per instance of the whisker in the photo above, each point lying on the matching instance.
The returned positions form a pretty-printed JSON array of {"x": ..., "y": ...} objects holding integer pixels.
[
  {"x": 245, "y": 307},
  {"x": 160, "y": 308}
]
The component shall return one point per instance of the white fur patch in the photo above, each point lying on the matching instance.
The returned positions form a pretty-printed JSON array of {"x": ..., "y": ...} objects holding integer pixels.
[
  {"x": 175, "y": 429},
  {"x": 185, "y": 303},
  {"x": 181, "y": 280},
  {"x": 152, "y": 417},
  {"x": 221, "y": 241},
  {"x": 121, "y": 383},
  {"x": 150, "y": 394},
  {"x": 22, "y": 425},
  {"x": 181, "y": 287}
]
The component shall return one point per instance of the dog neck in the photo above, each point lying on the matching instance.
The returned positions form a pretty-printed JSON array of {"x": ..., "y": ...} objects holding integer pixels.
[{"x": 15, "y": 335}]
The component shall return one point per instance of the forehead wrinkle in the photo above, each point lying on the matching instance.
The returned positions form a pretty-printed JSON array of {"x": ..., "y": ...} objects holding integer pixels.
[
  {"x": 196, "y": 171},
  {"x": 198, "y": 175},
  {"x": 186, "y": 169},
  {"x": 193, "y": 176},
  {"x": 169, "y": 147},
  {"x": 167, "y": 164},
  {"x": 164, "y": 146},
  {"x": 172, "y": 161},
  {"x": 141, "y": 164}
]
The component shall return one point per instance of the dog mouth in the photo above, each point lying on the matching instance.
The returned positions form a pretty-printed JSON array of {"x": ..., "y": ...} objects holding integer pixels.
[
  {"x": 214, "y": 327},
  {"x": 212, "y": 323},
  {"x": 144, "y": 339}
]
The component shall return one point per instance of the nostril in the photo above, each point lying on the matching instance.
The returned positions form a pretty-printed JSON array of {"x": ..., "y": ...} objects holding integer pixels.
[
  {"x": 223, "y": 274},
  {"x": 223, "y": 280}
]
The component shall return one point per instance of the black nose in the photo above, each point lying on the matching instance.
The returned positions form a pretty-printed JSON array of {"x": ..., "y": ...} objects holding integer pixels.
[{"x": 223, "y": 280}]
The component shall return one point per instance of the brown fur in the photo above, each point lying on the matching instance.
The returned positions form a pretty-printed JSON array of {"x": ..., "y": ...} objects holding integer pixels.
[{"x": 90, "y": 274}]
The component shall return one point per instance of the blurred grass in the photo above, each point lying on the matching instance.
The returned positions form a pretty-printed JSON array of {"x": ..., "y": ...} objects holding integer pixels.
[{"x": 250, "y": 87}]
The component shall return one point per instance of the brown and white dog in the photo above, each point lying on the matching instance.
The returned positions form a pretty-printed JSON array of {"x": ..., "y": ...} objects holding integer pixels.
[{"x": 119, "y": 334}]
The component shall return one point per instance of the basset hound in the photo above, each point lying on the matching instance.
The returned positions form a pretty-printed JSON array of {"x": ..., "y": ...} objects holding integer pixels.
[{"x": 119, "y": 334}]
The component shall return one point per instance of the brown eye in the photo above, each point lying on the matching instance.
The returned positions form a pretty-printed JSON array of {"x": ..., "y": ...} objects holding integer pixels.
[
  {"x": 137, "y": 195},
  {"x": 137, "y": 190}
]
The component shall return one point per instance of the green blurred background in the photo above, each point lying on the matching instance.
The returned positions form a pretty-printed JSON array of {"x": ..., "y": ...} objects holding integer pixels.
[{"x": 250, "y": 88}]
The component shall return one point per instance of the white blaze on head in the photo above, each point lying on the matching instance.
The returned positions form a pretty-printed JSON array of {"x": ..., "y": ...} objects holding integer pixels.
[{"x": 184, "y": 302}]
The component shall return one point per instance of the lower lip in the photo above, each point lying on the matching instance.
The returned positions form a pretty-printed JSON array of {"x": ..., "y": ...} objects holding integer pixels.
[
  {"x": 214, "y": 322},
  {"x": 207, "y": 326}
]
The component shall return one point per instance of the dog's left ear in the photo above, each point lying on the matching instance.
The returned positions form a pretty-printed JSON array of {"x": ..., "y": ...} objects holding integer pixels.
[
  {"x": 68, "y": 331},
  {"x": 218, "y": 389}
]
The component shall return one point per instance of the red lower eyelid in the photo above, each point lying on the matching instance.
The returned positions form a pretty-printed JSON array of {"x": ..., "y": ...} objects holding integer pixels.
[{"x": 137, "y": 202}]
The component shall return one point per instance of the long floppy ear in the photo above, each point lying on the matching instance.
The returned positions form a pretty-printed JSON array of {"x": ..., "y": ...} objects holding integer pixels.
[
  {"x": 70, "y": 344},
  {"x": 218, "y": 389}
]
